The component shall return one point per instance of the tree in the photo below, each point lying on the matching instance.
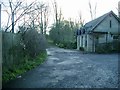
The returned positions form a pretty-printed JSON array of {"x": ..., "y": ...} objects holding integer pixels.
[
  {"x": 13, "y": 12},
  {"x": 17, "y": 8},
  {"x": 92, "y": 12},
  {"x": 35, "y": 13},
  {"x": 66, "y": 37},
  {"x": 46, "y": 13},
  {"x": 41, "y": 16},
  {"x": 81, "y": 21},
  {"x": 119, "y": 9}
]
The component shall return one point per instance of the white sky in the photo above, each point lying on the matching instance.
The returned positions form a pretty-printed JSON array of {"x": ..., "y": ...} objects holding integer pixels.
[{"x": 72, "y": 8}]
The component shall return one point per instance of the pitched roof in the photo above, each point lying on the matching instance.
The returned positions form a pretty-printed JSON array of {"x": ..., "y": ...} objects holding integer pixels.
[{"x": 90, "y": 26}]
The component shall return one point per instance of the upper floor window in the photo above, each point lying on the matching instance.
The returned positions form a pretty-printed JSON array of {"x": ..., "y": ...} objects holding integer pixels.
[
  {"x": 110, "y": 15},
  {"x": 110, "y": 23}
]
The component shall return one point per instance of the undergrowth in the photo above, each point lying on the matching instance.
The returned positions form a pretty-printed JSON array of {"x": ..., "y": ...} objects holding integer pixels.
[{"x": 17, "y": 70}]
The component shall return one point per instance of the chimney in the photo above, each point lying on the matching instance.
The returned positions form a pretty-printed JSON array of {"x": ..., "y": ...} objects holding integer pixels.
[{"x": 119, "y": 9}]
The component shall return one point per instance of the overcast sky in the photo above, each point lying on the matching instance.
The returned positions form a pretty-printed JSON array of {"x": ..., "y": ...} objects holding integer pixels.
[{"x": 72, "y": 8}]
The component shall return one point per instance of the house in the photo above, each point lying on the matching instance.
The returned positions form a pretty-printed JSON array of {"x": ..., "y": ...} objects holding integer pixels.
[{"x": 103, "y": 29}]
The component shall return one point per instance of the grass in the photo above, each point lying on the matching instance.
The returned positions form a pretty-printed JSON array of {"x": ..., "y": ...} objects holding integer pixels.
[{"x": 9, "y": 74}]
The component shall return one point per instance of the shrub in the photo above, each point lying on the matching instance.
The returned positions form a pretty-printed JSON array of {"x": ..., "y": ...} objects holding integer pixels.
[
  {"x": 67, "y": 45},
  {"x": 116, "y": 46},
  {"x": 9, "y": 74},
  {"x": 108, "y": 47},
  {"x": 34, "y": 42},
  {"x": 20, "y": 50},
  {"x": 81, "y": 49},
  {"x": 74, "y": 45}
]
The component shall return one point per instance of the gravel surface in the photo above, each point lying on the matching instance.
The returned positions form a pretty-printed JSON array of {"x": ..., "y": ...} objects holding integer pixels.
[{"x": 71, "y": 69}]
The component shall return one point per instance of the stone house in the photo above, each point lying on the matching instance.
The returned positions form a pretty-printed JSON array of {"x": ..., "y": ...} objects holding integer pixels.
[{"x": 103, "y": 29}]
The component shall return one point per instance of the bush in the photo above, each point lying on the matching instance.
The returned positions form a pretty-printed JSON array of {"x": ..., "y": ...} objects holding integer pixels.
[
  {"x": 81, "y": 49},
  {"x": 20, "y": 51},
  {"x": 116, "y": 46},
  {"x": 34, "y": 42},
  {"x": 13, "y": 50},
  {"x": 108, "y": 47},
  {"x": 9, "y": 74},
  {"x": 67, "y": 45},
  {"x": 74, "y": 45}
]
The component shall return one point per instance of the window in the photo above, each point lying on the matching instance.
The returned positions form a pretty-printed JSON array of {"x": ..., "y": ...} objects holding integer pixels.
[
  {"x": 110, "y": 23},
  {"x": 115, "y": 37},
  {"x": 85, "y": 43},
  {"x": 82, "y": 41},
  {"x": 85, "y": 40},
  {"x": 110, "y": 15}
]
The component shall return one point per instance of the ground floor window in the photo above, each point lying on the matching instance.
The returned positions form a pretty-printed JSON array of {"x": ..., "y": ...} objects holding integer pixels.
[
  {"x": 116, "y": 37},
  {"x": 81, "y": 41},
  {"x": 85, "y": 43},
  {"x": 85, "y": 40}
]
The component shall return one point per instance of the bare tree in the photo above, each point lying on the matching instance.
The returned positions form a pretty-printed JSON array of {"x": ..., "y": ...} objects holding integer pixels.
[
  {"x": 42, "y": 16},
  {"x": 81, "y": 21},
  {"x": 119, "y": 9},
  {"x": 57, "y": 13},
  {"x": 45, "y": 19},
  {"x": 55, "y": 7},
  {"x": 95, "y": 10},
  {"x": 92, "y": 12},
  {"x": 13, "y": 11},
  {"x": 15, "y": 8}
]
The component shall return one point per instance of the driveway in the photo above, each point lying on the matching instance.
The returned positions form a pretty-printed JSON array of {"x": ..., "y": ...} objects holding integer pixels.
[{"x": 71, "y": 69}]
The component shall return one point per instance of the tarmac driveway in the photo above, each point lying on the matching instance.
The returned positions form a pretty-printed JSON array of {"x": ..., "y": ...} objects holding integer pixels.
[{"x": 71, "y": 69}]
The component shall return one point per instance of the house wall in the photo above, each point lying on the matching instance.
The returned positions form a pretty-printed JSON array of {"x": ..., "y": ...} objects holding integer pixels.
[
  {"x": 102, "y": 38},
  {"x": 89, "y": 43},
  {"x": 105, "y": 25},
  {"x": 78, "y": 42},
  {"x": 81, "y": 40}
]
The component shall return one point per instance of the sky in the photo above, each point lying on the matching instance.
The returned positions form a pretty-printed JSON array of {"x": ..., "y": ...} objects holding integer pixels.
[{"x": 72, "y": 8}]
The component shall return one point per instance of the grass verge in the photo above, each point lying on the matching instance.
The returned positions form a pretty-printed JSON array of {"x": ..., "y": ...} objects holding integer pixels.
[{"x": 17, "y": 70}]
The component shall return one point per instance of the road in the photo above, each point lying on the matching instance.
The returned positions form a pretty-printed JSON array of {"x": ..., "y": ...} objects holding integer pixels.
[{"x": 71, "y": 69}]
